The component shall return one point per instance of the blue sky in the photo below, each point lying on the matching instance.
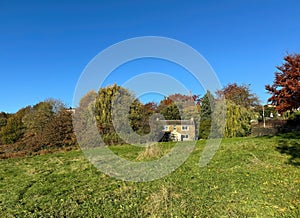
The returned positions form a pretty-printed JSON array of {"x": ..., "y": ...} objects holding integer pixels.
[{"x": 45, "y": 45}]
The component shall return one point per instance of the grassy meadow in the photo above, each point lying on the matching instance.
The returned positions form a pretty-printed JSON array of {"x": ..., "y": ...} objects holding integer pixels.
[{"x": 248, "y": 177}]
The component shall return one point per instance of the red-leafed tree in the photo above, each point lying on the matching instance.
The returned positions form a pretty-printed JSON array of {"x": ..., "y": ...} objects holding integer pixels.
[
  {"x": 285, "y": 90},
  {"x": 239, "y": 94}
]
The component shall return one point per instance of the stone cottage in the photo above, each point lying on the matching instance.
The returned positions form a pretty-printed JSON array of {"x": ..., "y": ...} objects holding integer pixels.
[{"x": 181, "y": 130}]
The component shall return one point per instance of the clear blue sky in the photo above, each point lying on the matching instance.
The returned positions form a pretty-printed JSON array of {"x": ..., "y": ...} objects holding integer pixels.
[{"x": 45, "y": 45}]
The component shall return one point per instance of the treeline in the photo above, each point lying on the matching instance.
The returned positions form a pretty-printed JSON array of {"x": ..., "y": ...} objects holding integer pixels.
[
  {"x": 47, "y": 126},
  {"x": 42, "y": 128},
  {"x": 240, "y": 108}
]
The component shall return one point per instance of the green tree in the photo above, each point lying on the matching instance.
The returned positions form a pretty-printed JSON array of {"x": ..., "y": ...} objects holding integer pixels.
[
  {"x": 237, "y": 120},
  {"x": 139, "y": 118},
  {"x": 169, "y": 111},
  {"x": 206, "y": 109},
  {"x": 104, "y": 104}
]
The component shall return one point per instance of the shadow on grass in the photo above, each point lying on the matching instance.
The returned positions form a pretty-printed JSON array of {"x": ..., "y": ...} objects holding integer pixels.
[{"x": 289, "y": 143}]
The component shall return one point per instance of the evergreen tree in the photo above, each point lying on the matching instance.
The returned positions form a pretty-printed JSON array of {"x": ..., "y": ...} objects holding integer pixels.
[{"x": 206, "y": 109}]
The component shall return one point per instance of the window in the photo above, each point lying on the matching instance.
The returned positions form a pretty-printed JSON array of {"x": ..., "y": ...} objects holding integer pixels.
[
  {"x": 166, "y": 128},
  {"x": 184, "y": 137},
  {"x": 174, "y": 128},
  {"x": 185, "y": 128}
]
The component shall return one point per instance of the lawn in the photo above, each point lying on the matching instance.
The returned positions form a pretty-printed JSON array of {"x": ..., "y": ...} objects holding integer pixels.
[{"x": 247, "y": 177}]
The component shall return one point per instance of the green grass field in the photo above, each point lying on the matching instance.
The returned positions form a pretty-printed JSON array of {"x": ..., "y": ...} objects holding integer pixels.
[{"x": 248, "y": 177}]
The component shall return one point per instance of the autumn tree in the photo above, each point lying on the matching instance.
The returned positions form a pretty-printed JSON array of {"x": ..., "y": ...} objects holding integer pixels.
[
  {"x": 48, "y": 125},
  {"x": 239, "y": 94},
  {"x": 39, "y": 115},
  {"x": 59, "y": 132},
  {"x": 285, "y": 89}
]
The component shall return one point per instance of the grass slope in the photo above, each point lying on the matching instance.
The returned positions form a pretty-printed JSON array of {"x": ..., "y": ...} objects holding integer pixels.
[{"x": 248, "y": 177}]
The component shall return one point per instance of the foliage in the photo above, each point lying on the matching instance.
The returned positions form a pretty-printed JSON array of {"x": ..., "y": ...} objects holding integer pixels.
[
  {"x": 38, "y": 117},
  {"x": 45, "y": 127},
  {"x": 169, "y": 110},
  {"x": 84, "y": 121},
  {"x": 239, "y": 94},
  {"x": 49, "y": 125},
  {"x": 248, "y": 177},
  {"x": 117, "y": 110},
  {"x": 3, "y": 121},
  {"x": 103, "y": 108},
  {"x": 206, "y": 108},
  {"x": 59, "y": 131},
  {"x": 178, "y": 106},
  {"x": 240, "y": 105},
  {"x": 14, "y": 128},
  {"x": 238, "y": 120},
  {"x": 285, "y": 89},
  {"x": 139, "y": 118},
  {"x": 86, "y": 100}
]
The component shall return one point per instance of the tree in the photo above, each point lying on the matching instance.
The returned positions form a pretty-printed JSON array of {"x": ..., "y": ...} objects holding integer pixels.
[
  {"x": 14, "y": 128},
  {"x": 139, "y": 115},
  {"x": 47, "y": 123},
  {"x": 240, "y": 95},
  {"x": 285, "y": 89},
  {"x": 59, "y": 131},
  {"x": 178, "y": 106},
  {"x": 41, "y": 114},
  {"x": 105, "y": 103},
  {"x": 237, "y": 120},
  {"x": 169, "y": 111},
  {"x": 212, "y": 116},
  {"x": 86, "y": 100},
  {"x": 84, "y": 121},
  {"x": 207, "y": 104},
  {"x": 3, "y": 121}
]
